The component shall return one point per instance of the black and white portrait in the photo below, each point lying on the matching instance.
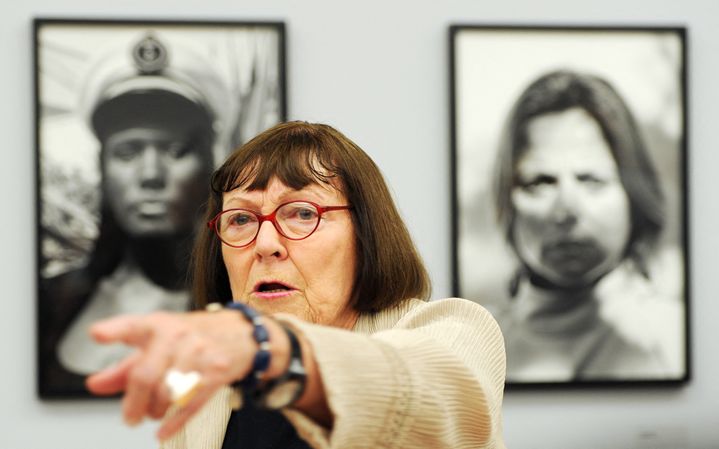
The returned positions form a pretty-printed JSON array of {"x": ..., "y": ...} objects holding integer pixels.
[
  {"x": 569, "y": 198},
  {"x": 131, "y": 120}
]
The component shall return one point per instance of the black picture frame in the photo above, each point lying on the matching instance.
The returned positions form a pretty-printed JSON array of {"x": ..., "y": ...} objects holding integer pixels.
[
  {"x": 630, "y": 261},
  {"x": 180, "y": 90}
]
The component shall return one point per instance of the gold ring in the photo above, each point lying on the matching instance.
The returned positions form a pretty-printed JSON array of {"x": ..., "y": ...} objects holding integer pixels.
[{"x": 182, "y": 386}]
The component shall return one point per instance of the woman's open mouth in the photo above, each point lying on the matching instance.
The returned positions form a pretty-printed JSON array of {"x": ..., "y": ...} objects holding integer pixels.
[{"x": 271, "y": 290}]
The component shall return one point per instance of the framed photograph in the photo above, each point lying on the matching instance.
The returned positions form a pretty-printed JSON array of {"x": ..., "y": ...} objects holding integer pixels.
[
  {"x": 569, "y": 190},
  {"x": 132, "y": 117}
]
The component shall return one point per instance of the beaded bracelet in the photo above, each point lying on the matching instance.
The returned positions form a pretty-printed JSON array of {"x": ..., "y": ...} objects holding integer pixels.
[
  {"x": 277, "y": 393},
  {"x": 262, "y": 359}
]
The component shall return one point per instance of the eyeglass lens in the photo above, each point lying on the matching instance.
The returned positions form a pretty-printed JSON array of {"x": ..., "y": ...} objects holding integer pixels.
[{"x": 295, "y": 220}]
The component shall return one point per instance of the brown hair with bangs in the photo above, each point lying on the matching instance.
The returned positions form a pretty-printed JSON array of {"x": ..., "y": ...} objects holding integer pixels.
[{"x": 389, "y": 268}]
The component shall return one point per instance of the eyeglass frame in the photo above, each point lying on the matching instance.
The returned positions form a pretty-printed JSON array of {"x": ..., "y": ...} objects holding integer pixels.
[{"x": 271, "y": 217}]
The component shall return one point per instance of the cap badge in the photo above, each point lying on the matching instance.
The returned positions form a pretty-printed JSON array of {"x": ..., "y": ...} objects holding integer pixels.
[{"x": 150, "y": 56}]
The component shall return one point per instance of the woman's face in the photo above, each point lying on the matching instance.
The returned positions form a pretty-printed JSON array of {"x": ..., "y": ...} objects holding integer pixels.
[
  {"x": 154, "y": 181},
  {"x": 311, "y": 278},
  {"x": 572, "y": 220}
]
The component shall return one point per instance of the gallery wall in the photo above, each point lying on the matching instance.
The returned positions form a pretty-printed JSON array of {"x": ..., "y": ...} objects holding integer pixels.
[{"x": 378, "y": 71}]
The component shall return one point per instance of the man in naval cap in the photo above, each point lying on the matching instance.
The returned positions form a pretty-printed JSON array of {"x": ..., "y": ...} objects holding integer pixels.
[{"x": 152, "y": 113}]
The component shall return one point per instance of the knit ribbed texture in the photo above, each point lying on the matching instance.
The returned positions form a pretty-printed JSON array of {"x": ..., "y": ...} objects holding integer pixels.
[
  {"x": 425, "y": 375},
  {"x": 205, "y": 430}
]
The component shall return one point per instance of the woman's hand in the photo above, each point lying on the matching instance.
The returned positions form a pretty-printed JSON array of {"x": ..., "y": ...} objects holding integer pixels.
[{"x": 218, "y": 345}]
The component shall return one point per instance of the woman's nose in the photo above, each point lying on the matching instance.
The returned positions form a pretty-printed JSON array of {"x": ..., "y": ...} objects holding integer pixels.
[
  {"x": 152, "y": 170},
  {"x": 269, "y": 241},
  {"x": 566, "y": 204}
]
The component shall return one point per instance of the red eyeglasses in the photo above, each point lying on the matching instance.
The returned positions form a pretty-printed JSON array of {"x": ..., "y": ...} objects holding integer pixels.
[{"x": 295, "y": 220}]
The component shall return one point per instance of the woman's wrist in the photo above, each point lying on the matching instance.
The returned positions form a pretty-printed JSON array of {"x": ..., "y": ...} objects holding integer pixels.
[
  {"x": 277, "y": 376},
  {"x": 272, "y": 347},
  {"x": 279, "y": 349},
  {"x": 313, "y": 401}
]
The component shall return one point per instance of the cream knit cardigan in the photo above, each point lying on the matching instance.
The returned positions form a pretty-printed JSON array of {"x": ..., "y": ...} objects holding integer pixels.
[{"x": 422, "y": 375}]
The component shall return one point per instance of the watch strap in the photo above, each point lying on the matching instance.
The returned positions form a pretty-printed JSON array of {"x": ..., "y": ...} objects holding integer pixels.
[{"x": 295, "y": 373}]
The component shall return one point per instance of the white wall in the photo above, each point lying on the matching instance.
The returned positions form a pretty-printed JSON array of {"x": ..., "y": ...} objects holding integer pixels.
[{"x": 378, "y": 71}]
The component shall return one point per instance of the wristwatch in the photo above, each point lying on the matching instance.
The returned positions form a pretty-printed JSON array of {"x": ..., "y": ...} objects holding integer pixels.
[{"x": 285, "y": 389}]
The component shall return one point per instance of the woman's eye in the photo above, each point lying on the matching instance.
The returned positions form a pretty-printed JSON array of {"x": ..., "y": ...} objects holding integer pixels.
[
  {"x": 306, "y": 214},
  {"x": 591, "y": 180},
  {"x": 240, "y": 219},
  {"x": 298, "y": 212},
  {"x": 536, "y": 182}
]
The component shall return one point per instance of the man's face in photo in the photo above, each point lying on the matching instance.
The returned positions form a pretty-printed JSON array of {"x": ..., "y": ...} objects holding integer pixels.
[{"x": 155, "y": 179}]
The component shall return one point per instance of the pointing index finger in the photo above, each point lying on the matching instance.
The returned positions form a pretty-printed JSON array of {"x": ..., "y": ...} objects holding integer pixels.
[{"x": 129, "y": 329}]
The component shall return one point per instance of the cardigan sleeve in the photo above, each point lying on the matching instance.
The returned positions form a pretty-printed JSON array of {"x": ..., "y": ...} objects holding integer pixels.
[{"x": 432, "y": 378}]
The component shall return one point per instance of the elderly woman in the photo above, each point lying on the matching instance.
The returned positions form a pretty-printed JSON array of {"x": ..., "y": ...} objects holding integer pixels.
[
  {"x": 330, "y": 343},
  {"x": 578, "y": 198}
]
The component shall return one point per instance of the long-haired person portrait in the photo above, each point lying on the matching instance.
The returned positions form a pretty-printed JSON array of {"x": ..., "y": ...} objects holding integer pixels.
[
  {"x": 312, "y": 326},
  {"x": 577, "y": 197}
]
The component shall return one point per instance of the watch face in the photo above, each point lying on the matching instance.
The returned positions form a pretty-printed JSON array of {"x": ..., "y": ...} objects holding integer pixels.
[{"x": 283, "y": 394}]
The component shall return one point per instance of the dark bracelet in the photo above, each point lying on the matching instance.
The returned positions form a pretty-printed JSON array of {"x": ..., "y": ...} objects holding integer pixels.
[
  {"x": 287, "y": 388},
  {"x": 275, "y": 393},
  {"x": 263, "y": 357}
]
